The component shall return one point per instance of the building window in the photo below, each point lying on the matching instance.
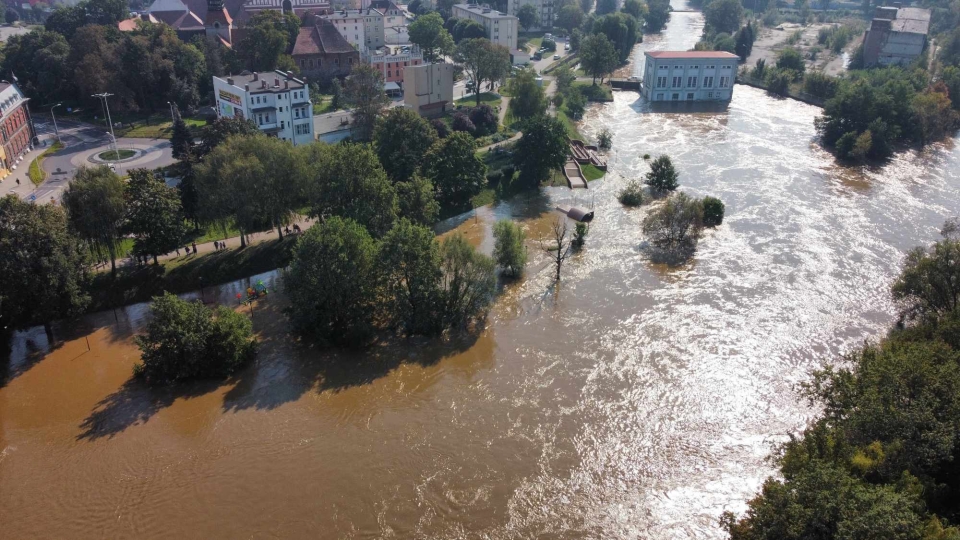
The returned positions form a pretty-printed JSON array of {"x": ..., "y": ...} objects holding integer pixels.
[
  {"x": 661, "y": 82},
  {"x": 281, "y": 124},
  {"x": 724, "y": 82},
  {"x": 675, "y": 97},
  {"x": 689, "y": 95},
  {"x": 710, "y": 95},
  {"x": 301, "y": 63},
  {"x": 659, "y": 97},
  {"x": 691, "y": 82},
  {"x": 677, "y": 82},
  {"x": 708, "y": 82}
]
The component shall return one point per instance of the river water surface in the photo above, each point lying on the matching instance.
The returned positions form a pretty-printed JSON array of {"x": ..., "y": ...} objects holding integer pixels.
[{"x": 630, "y": 400}]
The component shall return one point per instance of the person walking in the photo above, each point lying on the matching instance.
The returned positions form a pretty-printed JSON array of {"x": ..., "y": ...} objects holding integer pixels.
[
  {"x": 178, "y": 252},
  {"x": 18, "y": 181},
  {"x": 194, "y": 248}
]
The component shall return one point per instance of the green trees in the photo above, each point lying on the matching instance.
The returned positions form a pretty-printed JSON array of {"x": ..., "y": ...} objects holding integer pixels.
[
  {"x": 467, "y": 29},
  {"x": 509, "y": 250},
  {"x": 456, "y": 171},
  {"x": 217, "y": 132},
  {"x": 269, "y": 35},
  {"x": 605, "y": 139},
  {"x": 790, "y": 58},
  {"x": 598, "y": 56},
  {"x": 416, "y": 200},
  {"x": 658, "y": 15},
  {"x": 11, "y": 16},
  {"x": 529, "y": 99},
  {"x": 469, "y": 282},
  {"x": 332, "y": 283},
  {"x": 676, "y": 225},
  {"x": 348, "y": 181},
  {"x": 635, "y": 8},
  {"x": 483, "y": 61},
  {"x": 933, "y": 114},
  {"x": 96, "y": 207},
  {"x": 187, "y": 340},
  {"x": 409, "y": 261},
  {"x": 528, "y": 16},
  {"x": 181, "y": 141},
  {"x": 631, "y": 194},
  {"x": 724, "y": 15},
  {"x": 880, "y": 461},
  {"x": 364, "y": 92},
  {"x": 428, "y": 32},
  {"x": 622, "y": 30},
  {"x": 257, "y": 181},
  {"x": 542, "y": 149},
  {"x": 662, "y": 176},
  {"x": 569, "y": 17},
  {"x": 744, "y": 41},
  {"x": 154, "y": 214},
  {"x": 41, "y": 58},
  {"x": 42, "y": 264},
  {"x": 713, "y": 210},
  {"x": 401, "y": 138},
  {"x": 606, "y": 6}
]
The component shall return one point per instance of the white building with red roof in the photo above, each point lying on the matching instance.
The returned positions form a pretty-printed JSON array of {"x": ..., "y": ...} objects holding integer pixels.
[{"x": 689, "y": 75}]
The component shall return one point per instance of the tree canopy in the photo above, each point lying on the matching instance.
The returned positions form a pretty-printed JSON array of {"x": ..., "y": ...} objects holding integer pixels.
[
  {"x": 528, "y": 16},
  {"x": 267, "y": 36},
  {"x": 154, "y": 214},
  {"x": 542, "y": 149},
  {"x": 428, "y": 32},
  {"x": 401, "y": 139},
  {"x": 724, "y": 15},
  {"x": 528, "y": 99},
  {"x": 96, "y": 206},
  {"x": 364, "y": 92},
  {"x": 598, "y": 56},
  {"x": 454, "y": 168},
  {"x": 483, "y": 61}
]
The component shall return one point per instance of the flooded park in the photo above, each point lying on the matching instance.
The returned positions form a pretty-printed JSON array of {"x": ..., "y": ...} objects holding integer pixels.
[{"x": 629, "y": 400}]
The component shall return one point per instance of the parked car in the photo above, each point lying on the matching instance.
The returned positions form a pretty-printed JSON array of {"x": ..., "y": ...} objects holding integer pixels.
[
  {"x": 566, "y": 47},
  {"x": 538, "y": 56},
  {"x": 556, "y": 57}
]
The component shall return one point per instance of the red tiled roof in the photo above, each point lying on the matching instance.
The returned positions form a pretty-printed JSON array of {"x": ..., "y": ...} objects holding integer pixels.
[
  {"x": 690, "y": 54},
  {"x": 323, "y": 38}
]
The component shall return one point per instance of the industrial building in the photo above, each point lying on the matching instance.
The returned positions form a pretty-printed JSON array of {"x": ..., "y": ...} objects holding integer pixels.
[
  {"x": 896, "y": 37},
  {"x": 689, "y": 75}
]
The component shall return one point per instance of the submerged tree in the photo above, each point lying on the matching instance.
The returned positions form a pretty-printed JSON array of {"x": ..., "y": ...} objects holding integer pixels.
[
  {"x": 662, "y": 176},
  {"x": 469, "y": 282},
  {"x": 509, "y": 250},
  {"x": 676, "y": 225},
  {"x": 557, "y": 246}
]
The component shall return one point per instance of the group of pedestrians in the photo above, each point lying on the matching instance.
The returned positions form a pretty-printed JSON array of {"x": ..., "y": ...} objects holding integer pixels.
[
  {"x": 217, "y": 246},
  {"x": 188, "y": 250}
]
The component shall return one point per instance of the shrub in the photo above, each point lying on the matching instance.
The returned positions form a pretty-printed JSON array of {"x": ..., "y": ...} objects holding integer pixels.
[
  {"x": 484, "y": 120},
  {"x": 820, "y": 85},
  {"x": 662, "y": 176},
  {"x": 580, "y": 235},
  {"x": 676, "y": 225},
  {"x": 462, "y": 122},
  {"x": 631, "y": 195},
  {"x": 187, "y": 340},
  {"x": 778, "y": 80},
  {"x": 712, "y": 211},
  {"x": 557, "y": 100},
  {"x": 549, "y": 45},
  {"x": 605, "y": 139},
  {"x": 441, "y": 127},
  {"x": 646, "y": 157},
  {"x": 576, "y": 103},
  {"x": 509, "y": 250},
  {"x": 790, "y": 58}
]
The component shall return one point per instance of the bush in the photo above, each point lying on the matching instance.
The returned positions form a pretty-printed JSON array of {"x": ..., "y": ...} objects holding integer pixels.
[
  {"x": 187, "y": 340},
  {"x": 484, "y": 120},
  {"x": 469, "y": 281},
  {"x": 509, "y": 251},
  {"x": 557, "y": 100},
  {"x": 580, "y": 235},
  {"x": 462, "y": 122},
  {"x": 712, "y": 211},
  {"x": 441, "y": 127},
  {"x": 576, "y": 103},
  {"x": 820, "y": 85},
  {"x": 778, "y": 80},
  {"x": 605, "y": 139},
  {"x": 662, "y": 176},
  {"x": 790, "y": 58},
  {"x": 631, "y": 195},
  {"x": 676, "y": 225}
]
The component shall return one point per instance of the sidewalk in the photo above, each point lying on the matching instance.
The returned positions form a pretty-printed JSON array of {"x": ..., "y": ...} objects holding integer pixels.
[{"x": 9, "y": 184}]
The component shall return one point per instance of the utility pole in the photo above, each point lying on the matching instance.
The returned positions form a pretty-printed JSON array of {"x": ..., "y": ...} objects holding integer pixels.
[
  {"x": 106, "y": 106},
  {"x": 55, "y": 130},
  {"x": 172, "y": 117}
]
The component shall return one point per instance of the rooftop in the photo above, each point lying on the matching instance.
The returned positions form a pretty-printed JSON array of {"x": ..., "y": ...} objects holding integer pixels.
[
  {"x": 351, "y": 14},
  {"x": 691, "y": 54},
  {"x": 322, "y": 38},
  {"x": 484, "y": 11},
  {"x": 275, "y": 80}
]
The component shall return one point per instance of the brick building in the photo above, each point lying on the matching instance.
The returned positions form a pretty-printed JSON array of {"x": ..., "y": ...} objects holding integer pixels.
[
  {"x": 16, "y": 129},
  {"x": 322, "y": 53},
  {"x": 896, "y": 37}
]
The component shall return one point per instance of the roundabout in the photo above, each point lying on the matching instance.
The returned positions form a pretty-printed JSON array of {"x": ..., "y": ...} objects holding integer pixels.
[{"x": 118, "y": 155}]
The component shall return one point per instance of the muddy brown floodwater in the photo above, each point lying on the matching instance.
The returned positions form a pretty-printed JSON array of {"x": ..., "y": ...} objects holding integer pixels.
[{"x": 630, "y": 400}]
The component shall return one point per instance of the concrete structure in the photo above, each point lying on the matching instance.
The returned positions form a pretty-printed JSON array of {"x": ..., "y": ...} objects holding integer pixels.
[
  {"x": 276, "y": 101},
  {"x": 321, "y": 52},
  {"x": 689, "y": 75},
  {"x": 429, "y": 89},
  {"x": 897, "y": 36},
  {"x": 392, "y": 62},
  {"x": 16, "y": 127},
  {"x": 518, "y": 57},
  {"x": 544, "y": 9},
  {"x": 501, "y": 28},
  {"x": 363, "y": 28}
]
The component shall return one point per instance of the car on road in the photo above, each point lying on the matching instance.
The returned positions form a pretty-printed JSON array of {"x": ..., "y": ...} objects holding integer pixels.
[
  {"x": 556, "y": 57},
  {"x": 537, "y": 56},
  {"x": 566, "y": 47}
]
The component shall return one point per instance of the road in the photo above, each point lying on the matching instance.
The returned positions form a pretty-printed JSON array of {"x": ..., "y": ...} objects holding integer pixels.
[{"x": 81, "y": 142}]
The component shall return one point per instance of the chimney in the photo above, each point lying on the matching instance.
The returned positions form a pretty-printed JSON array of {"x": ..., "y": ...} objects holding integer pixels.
[
  {"x": 276, "y": 82},
  {"x": 246, "y": 87},
  {"x": 263, "y": 84},
  {"x": 255, "y": 76},
  {"x": 230, "y": 81}
]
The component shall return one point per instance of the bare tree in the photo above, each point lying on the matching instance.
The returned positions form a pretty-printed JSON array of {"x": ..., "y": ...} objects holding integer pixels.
[{"x": 558, "y": 246}]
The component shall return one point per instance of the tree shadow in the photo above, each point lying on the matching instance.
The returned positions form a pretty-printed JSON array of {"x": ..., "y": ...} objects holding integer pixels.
[
  {"x": 24, "y": 349},
  {"x": 288, "y": 366},
  {"x": 135, "y": 403}
]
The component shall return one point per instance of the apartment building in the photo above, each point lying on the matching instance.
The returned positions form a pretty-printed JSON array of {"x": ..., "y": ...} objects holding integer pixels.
[
  {"x": 275, "y": 100},
  {"x": 544, "y": 9},
  {"x": 392, "y": 62},
  {"x": 501, "y": 28},
  {"x": 362, "y": 28}
]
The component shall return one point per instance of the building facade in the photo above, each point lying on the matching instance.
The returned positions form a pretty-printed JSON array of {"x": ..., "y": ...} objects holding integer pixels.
[
  {"x": 429, "y": 89},
  {"x": 501, "y": 28},
  {"x": 362, "y": 28},
  {"x": 322, "y": 53},
  {"x": 689, "y": 75},
  {"x": 275, "y": 100},
  {"x": 544, "y": 10},
  {"x": 392, "y": 62},
  {"x": 897, "y": 36},
  {"x": 16, "y": 127}
]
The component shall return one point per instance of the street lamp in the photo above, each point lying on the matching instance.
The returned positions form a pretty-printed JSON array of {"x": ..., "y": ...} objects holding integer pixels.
[
  {"x": 106, "y": 107},
  {"x": 172, "y": 118},
  {"x": 116, "y": 151},
  {"x": 57, "y": 131}
]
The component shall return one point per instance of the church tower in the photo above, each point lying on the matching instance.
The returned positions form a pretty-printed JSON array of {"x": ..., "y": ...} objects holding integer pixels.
[{"x": 218, "y": 22}]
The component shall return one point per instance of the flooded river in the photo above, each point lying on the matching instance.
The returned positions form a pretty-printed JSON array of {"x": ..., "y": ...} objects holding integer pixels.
[{"x": 629, "y": 401}]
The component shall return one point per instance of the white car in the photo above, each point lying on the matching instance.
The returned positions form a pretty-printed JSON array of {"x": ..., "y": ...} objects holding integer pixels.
[
  {"x": 556, "y": 57},
  {"x": 566, "y": 47}
]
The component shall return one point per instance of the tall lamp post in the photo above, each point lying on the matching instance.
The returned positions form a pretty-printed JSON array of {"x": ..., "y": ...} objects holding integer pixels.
[
  {"x": 55, "y": 129},
  {"x": 106, "y": 106},
  {"x": 172, "y": 117}
]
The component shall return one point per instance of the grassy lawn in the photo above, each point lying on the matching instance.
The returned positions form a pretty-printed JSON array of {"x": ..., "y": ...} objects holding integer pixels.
[
  {"x": 181, "y": 275},
  {"x": 591, "y": 173},
  {"x": 570, "y": 124},
  {"x": 595, "y": 92},
  {"x": 155, "y": 128},
  {"x": 120, "y": 153},
  {"x": 486, "y": 98},
  {"x": 36, "y": 173},
  {"x": 497, "y": 160},
  {"x": 324, "y": 104}
]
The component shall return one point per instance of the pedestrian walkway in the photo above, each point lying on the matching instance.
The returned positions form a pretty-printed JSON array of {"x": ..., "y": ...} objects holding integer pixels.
[{"x": 9, "y": 184}]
